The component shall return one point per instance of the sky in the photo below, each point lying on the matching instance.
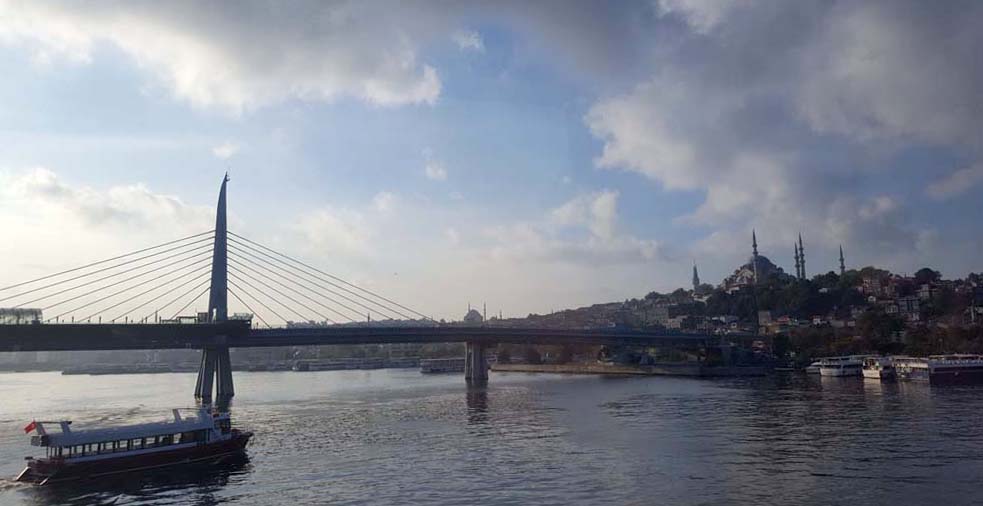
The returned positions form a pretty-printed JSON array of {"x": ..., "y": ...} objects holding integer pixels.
[{"x": 529, "y": 155}]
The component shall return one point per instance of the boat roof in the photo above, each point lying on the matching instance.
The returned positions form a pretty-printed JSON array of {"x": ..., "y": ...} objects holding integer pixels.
[{"x": 67, "y": 437}]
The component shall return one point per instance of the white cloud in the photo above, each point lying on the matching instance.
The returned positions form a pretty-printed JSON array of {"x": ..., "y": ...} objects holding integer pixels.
[
  {"x": 549, "y": 240},
  {"x": 331, "y": 231},
  {"x": 597, "y": 211},
  {"x": 759, "y": 116},
  {"x": 61, "y": 224},
  {"x": 702, "y": 15},
  {"x": 956, "y": 183},
  {"x": 247, "y": 57},
  {"x": 384, "y": 201},
  {"x": 226, "y": 150},
  {"x": 469, "y": 40},
  {"x": 435, "y": 170}
]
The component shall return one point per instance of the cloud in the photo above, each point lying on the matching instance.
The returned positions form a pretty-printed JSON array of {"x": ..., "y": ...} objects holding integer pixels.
[
  {"x": 702, "y": 15},
  {"x": 133, "y": 207},
  {"x": 776, "y": 114},
  {"x": 435, "y": 170},
  {"x": 556, "y": 237},
  {"x": 60, "y": 224},
  {"x": 597, "y": 211},
  {"x": 469, "y": 40},
  {"x": 331, "y": 231},
  {"x": 226, "y": 150},
  {"x": 249, "y": 56},
  {"x": 384, "y": 201},
  {"x": 895, "y": 69},
  {"x": 956, "y": 183}
]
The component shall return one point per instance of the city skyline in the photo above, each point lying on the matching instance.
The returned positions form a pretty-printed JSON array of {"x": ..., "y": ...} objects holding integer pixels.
[{"x": 499, "y": 155}]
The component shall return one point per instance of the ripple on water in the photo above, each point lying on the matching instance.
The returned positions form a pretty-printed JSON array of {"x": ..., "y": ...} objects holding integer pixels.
[{"x": 397, "y": 437}]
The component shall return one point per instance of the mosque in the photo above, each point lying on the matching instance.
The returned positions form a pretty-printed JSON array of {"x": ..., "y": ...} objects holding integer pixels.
[{"x": 759, "y": 268}]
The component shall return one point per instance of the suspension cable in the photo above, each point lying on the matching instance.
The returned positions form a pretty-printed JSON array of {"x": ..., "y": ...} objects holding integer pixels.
[
  {"x": 251, "y": 310},
  {"x": 295, "y": 301},
  {"x": 267, "y": 265},
  {"x": 196, "y": 252},
  {"x": 196, "y": 259},
  {"x": 104, "y": 269},
  {"x": 190, "y": 302},
  {"x": 268, "y": 308},
  {"x": 49, "y": 276},
  {"x": 145, "y": 292},
  {"x": 236, "y": 262},
  {"x": 236, "y": 244},
  {"x": 169, "y": 291},
  {"x": 179, "y": 297}
]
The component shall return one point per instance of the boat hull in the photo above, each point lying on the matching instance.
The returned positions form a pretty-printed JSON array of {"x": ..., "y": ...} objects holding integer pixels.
[
  {"x": 45, "y": 472},
  {"x": 948, "y": 376},
  {"x": 881, "y": 375},
  {"x": 839, "y": 371}
]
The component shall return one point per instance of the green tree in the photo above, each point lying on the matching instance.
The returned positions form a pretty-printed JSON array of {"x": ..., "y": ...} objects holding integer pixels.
[{"x": 926, "y": 275}]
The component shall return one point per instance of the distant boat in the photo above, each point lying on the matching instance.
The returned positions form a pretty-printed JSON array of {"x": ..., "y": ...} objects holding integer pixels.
[
  {"x": 879, "y": 368},
  {"x": 93, "y": 453},
  {"x": 841, "y": 366},
  {"x": 942, "y": 369}
]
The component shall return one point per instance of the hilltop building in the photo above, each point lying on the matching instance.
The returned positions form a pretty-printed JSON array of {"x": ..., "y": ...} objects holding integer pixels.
[{"x": 758, "y": 268}]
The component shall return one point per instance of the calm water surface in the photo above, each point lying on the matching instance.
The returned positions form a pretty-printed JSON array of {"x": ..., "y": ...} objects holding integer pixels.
[{"x": 398, "y": 437}]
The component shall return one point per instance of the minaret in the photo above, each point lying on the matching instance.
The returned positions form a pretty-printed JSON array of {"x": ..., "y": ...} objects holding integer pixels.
[
  {"x": 842, "y": 263},
  {"x": 696, "y": 277},
  {"x": 798, "y": 268},
  {"x": 802, "y": 258},
  {"x": 754, "y": 255}
]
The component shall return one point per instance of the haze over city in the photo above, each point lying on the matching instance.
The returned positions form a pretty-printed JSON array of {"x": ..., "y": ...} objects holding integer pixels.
[{"x": 534, "y": 156}]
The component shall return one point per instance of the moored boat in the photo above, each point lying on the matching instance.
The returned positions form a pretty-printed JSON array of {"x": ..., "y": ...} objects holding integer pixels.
[
  {"x": 841, "y": 366},
  {"x": 879, "y": 368},
  {"x": 942, "y": 369},
  {"x": 205, "y": 437}
]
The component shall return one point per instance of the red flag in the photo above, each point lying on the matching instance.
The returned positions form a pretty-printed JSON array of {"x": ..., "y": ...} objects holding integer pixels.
[{"x": 31, "y": 426}]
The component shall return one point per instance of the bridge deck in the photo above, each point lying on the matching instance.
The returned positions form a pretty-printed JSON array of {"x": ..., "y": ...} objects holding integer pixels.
[{"x": 68, "y": 337}]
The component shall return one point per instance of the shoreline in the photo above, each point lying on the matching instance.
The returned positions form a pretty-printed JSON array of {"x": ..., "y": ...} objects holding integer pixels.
[{"x": 689, "y": 370}]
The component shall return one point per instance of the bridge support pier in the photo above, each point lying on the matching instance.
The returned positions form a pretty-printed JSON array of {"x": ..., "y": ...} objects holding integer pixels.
[
  {"x": 215, "y": 368},
  {"x": 476, "y": 363}
]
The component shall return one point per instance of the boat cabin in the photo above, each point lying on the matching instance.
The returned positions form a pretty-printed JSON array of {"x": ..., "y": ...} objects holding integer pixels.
[{"x": 142, "y": 438}]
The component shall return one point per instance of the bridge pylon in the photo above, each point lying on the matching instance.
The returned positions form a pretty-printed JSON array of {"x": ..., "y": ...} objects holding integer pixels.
[
  {"x": 215, "y": 359},
  {"x": 476, "y": 363}
]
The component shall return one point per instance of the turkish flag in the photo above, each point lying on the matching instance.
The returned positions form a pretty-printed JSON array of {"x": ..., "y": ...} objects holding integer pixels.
[{"x": 31, "y": 426}]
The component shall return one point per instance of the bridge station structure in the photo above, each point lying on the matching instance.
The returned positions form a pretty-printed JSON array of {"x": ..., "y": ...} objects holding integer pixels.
[{"x": 271, "y": 280}]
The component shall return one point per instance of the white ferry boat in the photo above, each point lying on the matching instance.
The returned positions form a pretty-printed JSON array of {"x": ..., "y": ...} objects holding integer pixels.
[
  {"x": 841, "y": 366},
  {"x": 942, "y": 369},
  {"x": 205, "y": 437},
  {"x": 813, "y": 368},
  {"x": 879, "y": 368}
]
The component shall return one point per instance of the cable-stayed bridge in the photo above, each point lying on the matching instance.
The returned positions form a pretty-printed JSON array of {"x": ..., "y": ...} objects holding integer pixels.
[{"x": 149, "y": 299}]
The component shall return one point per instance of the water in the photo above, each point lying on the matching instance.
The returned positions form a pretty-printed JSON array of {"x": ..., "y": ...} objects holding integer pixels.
[{"x": 398, "y": 437}]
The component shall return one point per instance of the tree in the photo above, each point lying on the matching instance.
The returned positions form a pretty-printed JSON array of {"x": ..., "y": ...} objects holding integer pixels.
[
  {"x": 926, "y": 275},
  {"x": 878, "y": 328}
]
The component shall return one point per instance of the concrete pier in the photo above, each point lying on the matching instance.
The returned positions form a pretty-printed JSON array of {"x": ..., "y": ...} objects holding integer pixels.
[
  {"x": 476, "y": 363},
  {"x": 215, "y": 369}
]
